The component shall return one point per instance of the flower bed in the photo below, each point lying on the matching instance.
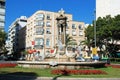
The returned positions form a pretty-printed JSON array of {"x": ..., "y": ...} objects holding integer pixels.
[
  {"x": 3, "y": 65},
  {"x": 78, "y": 72},
  {"x": 113, "y": 66}
]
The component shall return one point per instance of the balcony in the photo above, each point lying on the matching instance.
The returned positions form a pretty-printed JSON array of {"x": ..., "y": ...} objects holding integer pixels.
[
  {"x": 74, "y": 33},
  {"x": 67, "y": 32},
  {"x": 2, "y": 20},
  {"x": 80, "y": 33},
  {"x": 48, "y": 24},
  {"x": 38, "y": 46},
  {"x": 2, "y": 5}
]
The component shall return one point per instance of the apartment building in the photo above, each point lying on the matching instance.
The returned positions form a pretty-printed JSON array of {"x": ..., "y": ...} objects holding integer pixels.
[
  {"x": 107, "y": 7},
  {"x": 42, "y": 30},
  {"x": 2, "y": 14},
  {"x": 16, "y": 34}
]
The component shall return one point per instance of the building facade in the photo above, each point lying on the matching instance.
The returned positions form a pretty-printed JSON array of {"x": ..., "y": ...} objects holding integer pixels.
[
  {"x": 107, "y": 7},
  {"x": 16, "y": 34},
  {"x": 2, "y": 14},
  {"x": 42, "y": 32}
]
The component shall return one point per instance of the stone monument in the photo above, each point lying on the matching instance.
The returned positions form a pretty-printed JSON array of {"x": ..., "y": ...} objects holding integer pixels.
[{"x": 61, "y": 26}]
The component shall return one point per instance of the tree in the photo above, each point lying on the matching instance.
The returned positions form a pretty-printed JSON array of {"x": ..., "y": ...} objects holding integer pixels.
[
  {"x": 107, "y": 32},
  {"x": 89, "y": 34},
  {"x": 68, "y": 40},
  {"x": 103, "y": 31},
  {"x": 2, "y": 41}
]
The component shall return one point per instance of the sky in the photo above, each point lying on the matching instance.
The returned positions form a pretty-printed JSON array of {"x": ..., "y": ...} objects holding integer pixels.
[{"x": 82, "y": 10}]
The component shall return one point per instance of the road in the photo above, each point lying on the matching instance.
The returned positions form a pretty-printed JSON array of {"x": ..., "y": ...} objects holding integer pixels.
[{"x": 14, "y": 77}]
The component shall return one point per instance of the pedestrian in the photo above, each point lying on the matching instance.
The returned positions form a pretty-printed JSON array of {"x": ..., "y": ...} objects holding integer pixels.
[
  {"x": 37, "y": 56},
  {"x": 79, "y": 51}
]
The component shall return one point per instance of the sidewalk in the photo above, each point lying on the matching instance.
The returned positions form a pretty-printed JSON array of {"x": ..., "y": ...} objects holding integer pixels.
[{"x": 14, "y": 77}]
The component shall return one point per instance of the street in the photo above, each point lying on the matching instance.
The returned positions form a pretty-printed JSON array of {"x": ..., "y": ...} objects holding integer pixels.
[{"x": 14, "y": 77}]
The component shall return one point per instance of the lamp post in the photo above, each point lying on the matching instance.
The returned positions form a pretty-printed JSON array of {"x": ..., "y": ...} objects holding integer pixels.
[
  {"x": 95, "y": 28},
  {"x": 94, "y": 50}
]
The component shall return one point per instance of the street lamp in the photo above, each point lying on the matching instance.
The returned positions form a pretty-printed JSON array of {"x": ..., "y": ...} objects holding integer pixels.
[
  {"x": 95, "y": 28},
  {"x": 94, "y": 50}
]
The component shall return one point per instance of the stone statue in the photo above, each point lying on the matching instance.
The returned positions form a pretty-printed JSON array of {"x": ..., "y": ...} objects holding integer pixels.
[{"x": 61, "y": 12}]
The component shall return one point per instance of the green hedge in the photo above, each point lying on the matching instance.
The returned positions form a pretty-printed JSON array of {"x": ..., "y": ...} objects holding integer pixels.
[{"x": 115, "y": 60}]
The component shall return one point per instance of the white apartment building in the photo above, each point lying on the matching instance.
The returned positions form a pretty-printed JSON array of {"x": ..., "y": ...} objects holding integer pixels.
[
  {"x": 41, "y": 30},
  {"x": 14, "y": 34},
  {"x": 107, "y": 7},
  {"x": 2, "y": 14}
]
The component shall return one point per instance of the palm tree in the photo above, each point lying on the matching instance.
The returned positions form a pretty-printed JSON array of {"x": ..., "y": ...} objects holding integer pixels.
[
  {"x": 87, "y": 43},
  {"x": 68, "y": 40}
]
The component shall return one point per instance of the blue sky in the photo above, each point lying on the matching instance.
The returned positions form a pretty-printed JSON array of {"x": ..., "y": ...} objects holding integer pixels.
[{"x": 82, "y": 10}]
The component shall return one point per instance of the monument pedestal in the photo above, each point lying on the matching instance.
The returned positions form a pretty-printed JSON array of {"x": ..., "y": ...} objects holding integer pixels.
[
  {"x": 61, "y": 54},
  {"x": 62, "y": 58},
  {"x": 72, "y": 60}
]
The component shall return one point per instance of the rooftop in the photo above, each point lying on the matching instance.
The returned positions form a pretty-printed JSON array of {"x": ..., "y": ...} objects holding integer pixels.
[{"x": 2, "y": 0}]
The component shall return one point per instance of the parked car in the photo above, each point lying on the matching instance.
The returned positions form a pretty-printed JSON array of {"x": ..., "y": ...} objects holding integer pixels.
[
  {"x": 88, "y": 59},
  {"x": 115, "y": 54},
  {"x": 80, "y": 59},
  {"x": 2, "y": 57}
]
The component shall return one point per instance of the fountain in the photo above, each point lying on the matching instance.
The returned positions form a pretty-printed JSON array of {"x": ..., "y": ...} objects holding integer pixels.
[{"x": 60, "y": 58}]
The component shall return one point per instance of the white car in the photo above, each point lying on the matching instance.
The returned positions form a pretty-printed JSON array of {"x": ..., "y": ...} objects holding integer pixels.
[{"x": 80, "y": 59}]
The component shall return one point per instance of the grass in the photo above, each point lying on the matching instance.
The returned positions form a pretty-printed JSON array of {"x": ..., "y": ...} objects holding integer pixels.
[{"x": 111, "y": 72}]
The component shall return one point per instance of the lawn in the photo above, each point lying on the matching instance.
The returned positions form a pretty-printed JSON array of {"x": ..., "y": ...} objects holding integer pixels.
[{"x": 111, "y": 72}]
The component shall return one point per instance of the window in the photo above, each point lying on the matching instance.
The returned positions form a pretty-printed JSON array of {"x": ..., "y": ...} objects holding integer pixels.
[
  {"x": 39, "y": 41},
  {"x": 1, "y": 24},
  {"x": 48, "y": 16},
  {"x": 80, "y": 33},
  {"x": 67, "y": 26},
  {"x": 48, "y": 31},
  {"x": 73, "y": 26},
  {"x": 40, "y": 23},
  {"x": 39, "y": 31},
  {"x": 2, "y": 17},
  {"x": 40, "y": 16},
  {"x": 48, "y": 24},
  {"x": 47, "y": 42},
  {"x": 2, "y": 11},
  {"x": 67, "y": 32},
  {"x": 80, "y": 27},
  {"x": 23, "y": 20},
  {"x": 2, "y": 5},
  {"x": 73, "y": 32}
]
